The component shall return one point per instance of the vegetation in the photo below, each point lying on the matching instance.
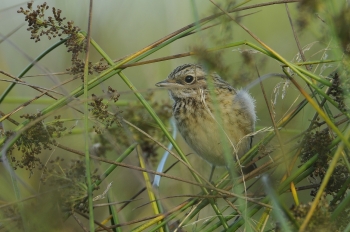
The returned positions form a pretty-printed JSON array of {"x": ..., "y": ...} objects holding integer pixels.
[{"x": 87, "y": 159}]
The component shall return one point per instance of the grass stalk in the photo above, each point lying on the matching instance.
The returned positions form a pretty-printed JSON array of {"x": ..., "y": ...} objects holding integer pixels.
[
  {"x": 86, "y": 126},
  {"x": 151, "y": 195}
]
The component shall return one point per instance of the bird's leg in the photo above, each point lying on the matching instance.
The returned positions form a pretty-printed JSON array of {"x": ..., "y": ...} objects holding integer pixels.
[{"x": 212, "y": 172}]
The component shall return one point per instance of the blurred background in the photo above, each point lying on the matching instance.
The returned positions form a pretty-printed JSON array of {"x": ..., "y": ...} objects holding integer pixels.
[{"x": 121, "y": 28}]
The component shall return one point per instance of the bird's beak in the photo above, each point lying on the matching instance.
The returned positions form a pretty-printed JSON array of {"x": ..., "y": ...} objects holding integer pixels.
[{"x": 164, "y": 83}]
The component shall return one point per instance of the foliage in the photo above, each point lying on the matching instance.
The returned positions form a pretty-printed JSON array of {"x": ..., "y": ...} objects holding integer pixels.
[{"x": 40, "y": 143}]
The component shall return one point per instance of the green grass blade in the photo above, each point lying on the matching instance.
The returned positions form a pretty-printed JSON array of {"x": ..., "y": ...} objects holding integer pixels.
[{"x": 42, "y": 55}]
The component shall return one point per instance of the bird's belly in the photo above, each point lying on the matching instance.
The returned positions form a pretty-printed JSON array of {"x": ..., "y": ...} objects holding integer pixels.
[
  {"x": 211, "y": 135},
  {"x": 209, "y": 140}
]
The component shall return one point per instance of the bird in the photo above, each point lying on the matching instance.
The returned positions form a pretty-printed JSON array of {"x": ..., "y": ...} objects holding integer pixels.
[{"x": 208, "y": 110}]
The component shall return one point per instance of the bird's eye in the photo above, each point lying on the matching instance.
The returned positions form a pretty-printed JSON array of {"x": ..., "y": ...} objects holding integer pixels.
[{"x": 189, "y": 79}]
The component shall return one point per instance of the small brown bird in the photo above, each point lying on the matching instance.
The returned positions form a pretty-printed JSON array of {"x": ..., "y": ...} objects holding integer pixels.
[{"x": 202, "y": 123}]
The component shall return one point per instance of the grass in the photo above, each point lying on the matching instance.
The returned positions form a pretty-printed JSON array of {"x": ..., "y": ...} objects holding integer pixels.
[{"x": 39, "y": 142}]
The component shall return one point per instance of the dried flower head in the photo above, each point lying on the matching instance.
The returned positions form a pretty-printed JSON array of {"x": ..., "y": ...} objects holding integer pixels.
[
  {"x": 136, "y": 114},
  {"x": 100, "y": 110},
  {"x": 321, "y": 218},
  {"x": 33, "y": 141},
  {"x": 337, "y": 91},
  {"x": 69, "y": 182},
  {"x": 56, "y": 26}
]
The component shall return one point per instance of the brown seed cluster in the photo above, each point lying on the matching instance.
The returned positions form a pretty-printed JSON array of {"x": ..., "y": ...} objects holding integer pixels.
[
  {"x": 320, "y": 219},
  {"x": 100, "y": 110},
  {"x": 336, "y": 182},
  {"x": 12, "y": 211},
  {"x": 56, "y": 26},
  {"x": 213, "y": 61},
  {"x": 69, "y": 182},
  {"x": 32, "y": 142},
  {"x": 337, "y": 90},
  {"x": 137, "y": 115},
  {"x": 341, "y": 26},
  {"x": 52, "y": 27},
  {"x": 308, "y": 9},
  {"x": 318, "y": 143},
  {"x": 145, "y": 122},
  {"x": 317, "y": 11}
]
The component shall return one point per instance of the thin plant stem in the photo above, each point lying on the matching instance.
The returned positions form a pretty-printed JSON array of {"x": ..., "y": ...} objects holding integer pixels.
[
  {"x": 151, "y": 195},
  {"x": 113, "y": 212},
  {"x": 86, "y": 125}
]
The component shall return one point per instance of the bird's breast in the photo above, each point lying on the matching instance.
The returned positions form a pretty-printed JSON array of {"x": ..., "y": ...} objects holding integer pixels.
[{"x": 207, "y": 127}]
